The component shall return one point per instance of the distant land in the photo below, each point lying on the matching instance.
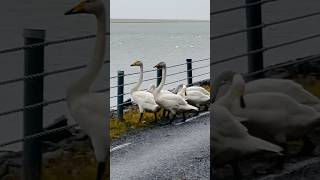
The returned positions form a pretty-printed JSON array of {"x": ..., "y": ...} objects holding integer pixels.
[{"x": 154, "y": 20}]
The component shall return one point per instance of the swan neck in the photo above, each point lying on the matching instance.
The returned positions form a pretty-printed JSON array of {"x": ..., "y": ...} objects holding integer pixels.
[
  {"x": 217, "y": 82},
  {"x": 163, "y": 79},
  {"x": 94, "y": 66},
  {"x": 139, "y": 82}
]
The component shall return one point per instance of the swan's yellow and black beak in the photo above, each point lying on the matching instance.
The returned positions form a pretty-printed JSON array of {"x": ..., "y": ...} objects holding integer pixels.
[
  {"x": 77, "y": 9},
  {"x": 137, "y": 63},
  {"x": 134, "y": 64}
]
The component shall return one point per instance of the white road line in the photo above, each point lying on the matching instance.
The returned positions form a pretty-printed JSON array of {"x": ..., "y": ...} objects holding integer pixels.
[{"x": 120, "y": 147}]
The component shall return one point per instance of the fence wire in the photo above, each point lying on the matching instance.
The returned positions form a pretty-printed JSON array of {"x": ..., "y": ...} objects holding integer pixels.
[
  {"x": 241, "y": 7},
  {"x": 264, "y": 49},
  {"x": 38, "y": 135},
  {"x": 265, "y": 25},
  {"x": 48, "y": 43}
]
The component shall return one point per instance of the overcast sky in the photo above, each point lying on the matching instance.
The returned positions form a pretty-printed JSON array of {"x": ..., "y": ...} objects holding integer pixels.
[{"x": 160, "y": 9}]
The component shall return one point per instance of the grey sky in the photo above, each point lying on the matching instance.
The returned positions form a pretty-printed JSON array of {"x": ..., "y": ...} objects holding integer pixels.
[{"x": 160, "y": 9}]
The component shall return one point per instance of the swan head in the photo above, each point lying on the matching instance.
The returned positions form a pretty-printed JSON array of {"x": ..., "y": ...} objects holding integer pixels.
[
  {"x": 178, "y": 88},
  {"x": 160, "y": 65},
  {"x": 88, "y": 7},
  {"x": 152, "y": 88},
  {"x": 182, "y": 90},
  {"x": 238, "y": 88},
  {"x": 137, "y": 63}
]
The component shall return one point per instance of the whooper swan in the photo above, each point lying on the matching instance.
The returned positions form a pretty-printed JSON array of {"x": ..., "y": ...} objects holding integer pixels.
[
  {"x": 143, "y": 99},
  {"x": 275, "y": 117},
  {"x": 171, "y": 102},
  {"x": 231, "y": 141},
  {"x": 87, "y": 108}
]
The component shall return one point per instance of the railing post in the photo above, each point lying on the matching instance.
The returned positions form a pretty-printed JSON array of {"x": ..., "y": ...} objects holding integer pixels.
[
  {"x": 254, "y": 37},
  {"x": 159, "y": 75},
  {"x": 33, "y": 94},
  {"x": 189, "y": 71},
  {"x": 120, "y": 95}
]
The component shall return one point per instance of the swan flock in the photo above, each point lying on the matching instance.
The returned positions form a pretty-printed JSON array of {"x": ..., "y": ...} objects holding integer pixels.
[
  {"x": 155, "y": 98},
  {"x": 259, "y": 116}
]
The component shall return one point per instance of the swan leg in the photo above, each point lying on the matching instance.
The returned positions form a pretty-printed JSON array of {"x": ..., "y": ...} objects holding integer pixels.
[
  {"x": 173, "y": 117},
  {"x": 101, "y": 170},
  {"x": 184, "y": 117},
  {"x": 198, "y": 112},
  {"x": 163, "y": 113},
  {"x": 155, "y": 116},
  {"x": 141, "y": 114},
  {"x": 236, "y": 171},
  {"x": 168, "y": 114}
]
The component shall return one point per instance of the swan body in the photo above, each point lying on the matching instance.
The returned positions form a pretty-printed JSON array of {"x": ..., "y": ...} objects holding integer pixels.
[
  {"x": 87, "y": 108},
  {"x": 194, "y": 88},
  {"x": 275, "y": 117},
  {"x": 143, "y": 99},
  {"x": 171, "y": 102},
  {"x": 194, "y": 97},
  {"x": 285, "y": 86},
  {"x": 231, "y": 140}
]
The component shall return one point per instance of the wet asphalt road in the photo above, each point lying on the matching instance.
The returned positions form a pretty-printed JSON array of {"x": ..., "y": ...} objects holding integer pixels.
[{"x": 178, "y": 151}]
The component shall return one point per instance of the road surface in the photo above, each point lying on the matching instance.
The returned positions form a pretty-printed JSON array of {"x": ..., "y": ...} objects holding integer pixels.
[{"x": 176, "y": 151}]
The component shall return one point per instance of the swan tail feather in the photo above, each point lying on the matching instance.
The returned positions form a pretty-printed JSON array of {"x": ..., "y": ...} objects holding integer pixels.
[
  {"x": 192, "y": 107},
  {"x": 265, "y": 145}
]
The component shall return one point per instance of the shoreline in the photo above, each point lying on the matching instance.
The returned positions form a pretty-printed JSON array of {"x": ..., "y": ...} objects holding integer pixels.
[{"x": 156, "y": 20}]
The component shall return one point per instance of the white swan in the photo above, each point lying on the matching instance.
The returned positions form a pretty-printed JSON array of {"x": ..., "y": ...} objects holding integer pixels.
[
  {"x": 163, "y": 91},
  {"x": 231, "y": 141},
  {"x": 194, "y": 88},
  {"x": 171, "y": 102},
  {"x": 87, "y": 108},
  {"x": 194, "y": 97},
  {"x": 285, "y": 86},
  {"x": 143, "y": 99},
  {"x": 275, "y": 117}
]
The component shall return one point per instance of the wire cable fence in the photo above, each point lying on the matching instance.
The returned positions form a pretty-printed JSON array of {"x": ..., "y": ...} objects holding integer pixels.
[
  {"x": 48, "y": 43},
  {"x": 255, "y": 26},
  {"x": 260, "y": 26}
]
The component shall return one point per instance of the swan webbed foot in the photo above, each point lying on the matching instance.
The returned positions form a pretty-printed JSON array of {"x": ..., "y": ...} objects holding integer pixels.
[{"x": 101, "y": 169}]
